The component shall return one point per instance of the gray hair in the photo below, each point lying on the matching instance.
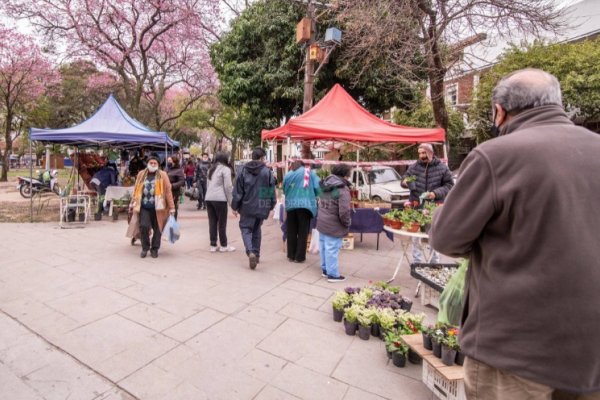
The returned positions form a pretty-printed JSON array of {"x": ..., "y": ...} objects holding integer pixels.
[{"x": 527, "y": 88}]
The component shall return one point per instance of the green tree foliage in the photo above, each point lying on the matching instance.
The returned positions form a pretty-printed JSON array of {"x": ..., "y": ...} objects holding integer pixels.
[
  {"x": 574, "y": 64},
  {"x": 261, "y": 73}
]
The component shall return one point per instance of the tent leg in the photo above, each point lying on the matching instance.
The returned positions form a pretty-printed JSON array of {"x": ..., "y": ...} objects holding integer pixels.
[
  {"x": 357, "y": 173},
  {"x": 166, "y": 165},
  {"x": 30, "y": 180},
  {"x": 446, "y": 153},
  {"x": 289, "y": 154}
]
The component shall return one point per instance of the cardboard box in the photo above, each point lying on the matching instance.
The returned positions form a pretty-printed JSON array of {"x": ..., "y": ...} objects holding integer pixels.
[{"x": 348, "y": 242}]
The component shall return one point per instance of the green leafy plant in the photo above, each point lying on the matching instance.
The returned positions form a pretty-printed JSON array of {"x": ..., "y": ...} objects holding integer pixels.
[
  {"x": 366, "y": 316},
  {"x": 361, "y": 298},
  {"x": 410, "y": 178},
  {"x": 341, "y": 300},
  {"x": 394, "y": 343},
  {"x": 410, "y": 216},
  {"x": 410, "y": 323},
  {"x": 387, "y": 319},
  {"x": 351, "y": 313}
]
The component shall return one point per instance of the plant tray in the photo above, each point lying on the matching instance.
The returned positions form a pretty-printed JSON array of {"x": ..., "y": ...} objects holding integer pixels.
[
  {"x": 442, "y": 387},
  {"x": 434, "y": 285}
]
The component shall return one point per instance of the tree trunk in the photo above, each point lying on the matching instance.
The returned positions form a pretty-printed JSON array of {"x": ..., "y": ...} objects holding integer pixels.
[
  {"x": 8, "y": 149},
  {"x": 438, "y": 102}
]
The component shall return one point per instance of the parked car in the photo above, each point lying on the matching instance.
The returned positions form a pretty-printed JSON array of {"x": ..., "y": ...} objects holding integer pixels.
[{"x": 379, "y": 184}]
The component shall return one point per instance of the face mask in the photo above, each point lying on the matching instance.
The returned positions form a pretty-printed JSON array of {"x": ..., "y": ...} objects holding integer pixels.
[
  {"x": 170, "y": 165},
  {"x": 152, "y": 168}
]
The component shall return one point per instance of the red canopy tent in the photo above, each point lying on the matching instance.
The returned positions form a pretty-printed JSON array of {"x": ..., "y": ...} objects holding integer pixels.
[{"x": 339, "y": 117}]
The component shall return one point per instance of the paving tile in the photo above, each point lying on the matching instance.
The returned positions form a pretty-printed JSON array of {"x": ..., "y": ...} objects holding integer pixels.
[
  {"x": 357, "y": 394},
  {"x": 115, "y": 394},
  {"x": 15, "y": 388},
  {"x": 261, "y": 365},
  {"x": 276, "y": 299},
  {"x": 318, "y": 318},
  {"x": 308, "y": 288},
  {"x": 261, "y": 317},
  {"x": 307, "y": 384},
  {"x": 151, "y": 317},
  {"x": 271, "y": 393},
  {"x": 115, "y": 346},
  {"x": 27, "y": 355},
  {"x": 151, "y": 382},
  {"x": 307, "y": 345},
  {"x": 193, "y": 325},
  {"x": 91, "y": 304}
]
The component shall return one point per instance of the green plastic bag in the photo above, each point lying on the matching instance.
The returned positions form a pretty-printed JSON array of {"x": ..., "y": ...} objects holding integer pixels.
[{"x": 451, "y": 299}]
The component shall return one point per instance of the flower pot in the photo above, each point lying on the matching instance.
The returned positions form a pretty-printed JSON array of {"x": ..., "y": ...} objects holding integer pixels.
[
  {"x": 437, "y": 348},
  {"x": 448, "y": 355},
  {"x": 115, "y": 216},
  {"x": 382, "y": 333},
  {"x": 70, "y": 215},
  {"x": 375, "y": 330},
  {"x": 389, "y": 353},
  {"x": 425, "y": 228},
  {"x": 98, "y": 216},
  {"x": 460, "y": 358},
  {"x": 81, "y": 217},
  {"x": 414, "y": 227},
  {"x": 427, "y": 341},
  {"x": 395, "y": 224},
  {"x": 413, "y": 357},
  {"x": 364, "y": 332},
  {"x": 350, "y": 327},
  {"x": 406, "y": 304},
  {"x": 338, "y": 315},
  {"x": 398, "y": 359}
]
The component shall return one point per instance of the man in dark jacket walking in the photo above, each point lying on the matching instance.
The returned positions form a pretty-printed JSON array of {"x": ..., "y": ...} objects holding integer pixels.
[
  {"x": 524, "y": 211},
  {"x": 253, "y": 199},
  {"x": 433, "y": 182},
  {"x": 202, "y": 179}
]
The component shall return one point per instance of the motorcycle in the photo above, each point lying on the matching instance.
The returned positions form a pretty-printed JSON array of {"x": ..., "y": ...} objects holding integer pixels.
[{"x": 46, "y": 182}]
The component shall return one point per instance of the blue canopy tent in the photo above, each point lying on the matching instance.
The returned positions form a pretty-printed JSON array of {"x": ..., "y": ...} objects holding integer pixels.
[{"x": 109, "y": 126}]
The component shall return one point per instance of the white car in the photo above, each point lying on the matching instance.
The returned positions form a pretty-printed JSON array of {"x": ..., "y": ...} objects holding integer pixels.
[{"x": 379, "y": 184}]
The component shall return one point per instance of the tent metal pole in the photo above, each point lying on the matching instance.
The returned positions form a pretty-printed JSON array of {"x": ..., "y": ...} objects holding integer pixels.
[
  {"x": 30, "y": 180},
  {"x": 446, "y": 153},
  {"x": 357, "y": 172},
  {"x": 166, "y": 164},
  {"x": 289, "y": 154}
]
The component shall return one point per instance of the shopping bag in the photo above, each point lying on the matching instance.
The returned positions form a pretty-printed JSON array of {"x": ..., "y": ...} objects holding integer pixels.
[
  {"x": 172, "y": 230},
  {"x": 313, "y": 248},
  {"x": 451, "y": 299}
]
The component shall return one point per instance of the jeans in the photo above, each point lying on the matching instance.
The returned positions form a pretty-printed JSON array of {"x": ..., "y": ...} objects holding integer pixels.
[
  {"x": 417, "y": 252},
  {"x": 149, "y": 221},
  {"x": 189, "y": 181},
  {"x": 298, "y": 226},
  {"x": 217, "y": 218},
  {"x": 201, "y": 193},
  {"x": 329, "y": 251},
  {"x": 251, "y": 234}
]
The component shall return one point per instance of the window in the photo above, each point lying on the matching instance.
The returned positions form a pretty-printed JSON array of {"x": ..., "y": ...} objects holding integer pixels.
[{"x": 452, "y": 94}]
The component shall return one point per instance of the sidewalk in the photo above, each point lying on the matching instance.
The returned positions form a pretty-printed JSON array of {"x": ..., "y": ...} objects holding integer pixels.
[{"x": 82, "y": 316}]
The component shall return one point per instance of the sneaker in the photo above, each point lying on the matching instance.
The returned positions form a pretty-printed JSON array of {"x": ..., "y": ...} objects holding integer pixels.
[
  {"x": 252, "y": 260},
  {"x": 144, "y": 253},
  {"x": 227, "y": 249},
  {"x": 323, "y": 274},
  {"x": 334, "y": 279},
  {"x": 213, "y": 249},
  {"x": 154, "y": 253}
]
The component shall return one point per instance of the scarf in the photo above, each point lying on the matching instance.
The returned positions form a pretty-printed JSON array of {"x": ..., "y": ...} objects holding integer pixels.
[
  {"x": 159, "y": 200},
  {"x": 306, "y": 176}
]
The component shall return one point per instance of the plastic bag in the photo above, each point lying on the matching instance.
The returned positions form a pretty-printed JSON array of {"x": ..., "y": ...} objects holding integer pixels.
[
  {"x": 452, "y": 298},
  {"x": 172, "y": 229},
  {"x": 313, "y": 247}
]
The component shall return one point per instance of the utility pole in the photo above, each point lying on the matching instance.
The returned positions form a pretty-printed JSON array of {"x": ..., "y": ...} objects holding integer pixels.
[{"x": 309, "y": 67}]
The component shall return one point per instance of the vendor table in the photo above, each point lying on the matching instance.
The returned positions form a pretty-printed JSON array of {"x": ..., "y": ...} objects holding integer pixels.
[
  {"x": 364, "y": 220},
  {"x": 116, "y": 193},
  {"x": 405, "y": 242}
]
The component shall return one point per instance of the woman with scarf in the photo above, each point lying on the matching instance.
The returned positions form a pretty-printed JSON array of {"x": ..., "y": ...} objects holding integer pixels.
[
  {"x": 301, "y": 188},
  {"x": 152, "y": 203}
]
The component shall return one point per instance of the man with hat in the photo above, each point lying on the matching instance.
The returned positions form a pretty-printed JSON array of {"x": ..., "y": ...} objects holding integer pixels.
[{"x": 433, "y": 182}]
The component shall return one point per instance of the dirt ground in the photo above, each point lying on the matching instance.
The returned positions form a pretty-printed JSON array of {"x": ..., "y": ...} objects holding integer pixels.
[{"x": 14, "y": 208}]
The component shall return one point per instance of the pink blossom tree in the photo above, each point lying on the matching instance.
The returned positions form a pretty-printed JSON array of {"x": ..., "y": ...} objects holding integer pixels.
[
  {"x": 151, "y": 45},
  {"x": 24, "y": 75}
]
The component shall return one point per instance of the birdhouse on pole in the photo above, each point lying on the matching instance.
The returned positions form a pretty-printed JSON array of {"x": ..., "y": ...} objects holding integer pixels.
[
  {"x": 303, "y": 30},
  {"x": 333, "y": 35}
]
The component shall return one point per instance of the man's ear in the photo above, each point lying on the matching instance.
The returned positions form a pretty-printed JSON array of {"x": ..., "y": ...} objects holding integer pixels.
[{"x": 500, "y": 115}]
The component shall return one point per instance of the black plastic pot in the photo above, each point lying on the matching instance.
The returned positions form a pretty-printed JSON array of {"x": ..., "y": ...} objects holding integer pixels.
[
  {"x": 338, "y": 315},
  {"x": 115, "y": 216},
  {"x": 98, "y": 216},
  {"x": 81, "y": 217},
  {"x": 437, "y": 348},
  {"x": 364, "y": 332},
  {"x": 427, "y": 341},
  {"x": 350, "y": 327},
  {"x": 413, "y": 357},
  {"x": 389, "y": 353},
  {"x": 70, "y": 215},
  {"x": 375, "y": 330},
  {"x": 460, "y": 358},
  {"x": 406, "y": 304},
  {"x": 448, "y": 355},
  {"x": 398, "y": 359}
]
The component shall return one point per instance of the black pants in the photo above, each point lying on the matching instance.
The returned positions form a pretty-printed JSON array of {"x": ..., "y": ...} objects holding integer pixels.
[
  {"x": 298, "y": 227},
  {"x": 251, "y": 233},
  {"x": 148, "y": 221},
  {"x": 217, "y": 218},
  {"x": 201, "y": 193}
]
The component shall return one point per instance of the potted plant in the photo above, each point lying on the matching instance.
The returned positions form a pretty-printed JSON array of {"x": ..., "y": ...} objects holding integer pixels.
[
  {"x": 387, "y": 321},
  {"x": 340, "y": 301},
  {"x": 411, "y": 219},
  {"x": 365, "y": 319},
  {"x": 397, "y": 348},
  {"x": 375, "y": 327},
  {"x": 406, "y": 303},
  {"x": 427, "y": 215},
  {"x": 426, "y": 332},
  {"x": 449, "y": 347},
  {"x": 98, "y": 214},
  {"x": 351, "y": 319},
  {"x": 362, "y": 298},
  {"x": 437, "y": 337}
]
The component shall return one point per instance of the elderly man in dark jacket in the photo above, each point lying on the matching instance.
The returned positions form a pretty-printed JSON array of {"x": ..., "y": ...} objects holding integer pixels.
[
  {"x": 253, "y": 198},
  {"x": 524, "y": 212},
  {"x": 333, "y": 220},
  {"x": 433, "y": 182}
]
